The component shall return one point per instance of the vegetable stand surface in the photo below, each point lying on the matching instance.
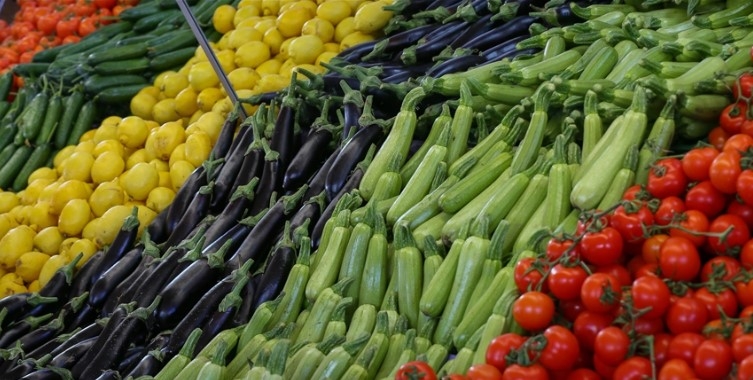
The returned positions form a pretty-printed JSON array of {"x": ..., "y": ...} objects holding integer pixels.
[{"x": 436, "y": 202}]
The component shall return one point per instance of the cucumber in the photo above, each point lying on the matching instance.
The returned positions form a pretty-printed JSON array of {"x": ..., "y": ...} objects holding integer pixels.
[
  {"x": 14, "y": 164},
  {"x": 117, "y": 54},
  {"x": 47, "y": 55},
  {"x": 136, "y": 39},
  {"x": 36, "y": 159},
  {"x": 31, "y": 69},
  {"x": 97, "y": 83},
  {"x": 152, "y": 21},
  {"x": 176, "y": 40},
  {"x": 84, "y": 122},
  {"x": 7, "y": 133},
  {"x": 140, "y": 11},
  {"x": 128, "y": 66},
  {"x": 119, "y": 94},
  {"x": 172, "y": 59}
]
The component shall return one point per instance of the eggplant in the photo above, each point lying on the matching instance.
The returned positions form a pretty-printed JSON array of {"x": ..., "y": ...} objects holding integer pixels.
[
  {"x": 456, "y": 64},
  {"x": 197, "y": 209},
  {"x": 234, "y": 159},
  {"x": 109, "y": 374},
  {"x": 226, "y": 137},
  {"x": 270, "y": 182},
  {"x": 73, "y": 354},
  {"x": 48, "y": 373},
  {"x": 131, "y": 330},
  {"x": 316, "y": 184},
  {"x": 183, "y": 197},
  {"x": 251, "y": 167},
  {"x": 25, "y": 367},
  {"x": 131, "y": 357},
  {"x": 350, "y": 155},
  {"x": 18, "y": 329},
  {"x": 222, "y": 317},
  {"x": 149, "y": 365},
  {"x": 106, "y": 282},
  {"x": 355, "y": 53},
  {"x": 433, "y": 43},
  {"x": 83, "y": 317},
  {"x": 306, "y": 160},
  {"x": 308, "y": 214},
  {"x": 124, "y": 291},
  {"x": 482, "y": 25},
  {"x": 122, "y": 242},
  {"x": 153, "y": 283},
  {"x": 90, "y": 331},
  {"x": 505, "y": 50},
  {"x": 276, "y": 271},
  {"x": 41, "y": 335},
  {"x": 352, "y": 183},
  {"x": 157, "y": 228},
  {"x": 283, "y": 136},
  {"x": 399, "y": 41},
  {"x": 233, "y": 211},
  {"x": 513, "y": 28},
  {"x": 244, "y": 311},
  {"x": 112, "y": 324}
]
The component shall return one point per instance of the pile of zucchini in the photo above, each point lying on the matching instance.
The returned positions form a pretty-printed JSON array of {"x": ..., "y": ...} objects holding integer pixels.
[{"x": 355, "y": 222}]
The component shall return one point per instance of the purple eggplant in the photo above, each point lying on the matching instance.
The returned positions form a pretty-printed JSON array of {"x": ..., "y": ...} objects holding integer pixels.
[
  {"x": 73, "y": 354},
  {"x": 106, "y": 282},
  {"x": 307, "y": 159},
  {"x": 84, "y": 277},
  {"x": 48, "y": 373},
  {"x": 226, "y": 136},
  {"x": 183, "y": 197},
  {"x": 18, "y": 329},
  {"x": 197, "y": 209},
  {"x": 352, "y": 183},
  {"x": 112, "y": 324},
  {"x": 26, "y": 366},
  {"x": 276, "y": 270},
  {"x": 120, "y": 244},
  {"x": 456, "y": 64},
  {"x": 505, "y": 49},
  {"x": 513, "y": 28},
  {"x": 270, "y": 182},
  {"x": 233, "y": 211},
  {"x": 222, "y": 317},
  {"x": 234, "y": 159}
]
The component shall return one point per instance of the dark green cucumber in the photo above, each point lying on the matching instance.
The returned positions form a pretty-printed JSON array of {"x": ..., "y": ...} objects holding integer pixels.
[
  {"x": 4, "y": 107},
  {"x": 172, "y": 59},
  {"x": 6, "y": 82},
  {"x": 84, "y": 122},
  {"x": 17, "y": 106},
  {"x": 7, "y": 133},
  {"x": 36, "y": 159},
  {"x": 98, "y": 83},
  {"x": 117, "y": 53},
  {"x": 140, "y": 11},
  {"x": 152, "y": 21},
  {"x": 119, "y": 94},
  {"x": 13, "y": 166},
  {"x": 6, "y": 152},
  {"x": 128, "y": 66},
  {"x": 51, "y": 120},
  {"x": 172, "y": 41},
  {"x": 89, "y": 43},
  {"x": 48, "y": 55},
  {"x": 141, "y": 38},
  {"x": 31, "y": 69},
  {"x": 31, "y": 119},
  {"x": 111, "y": 30},
  {"x": 71, "y": 109}
]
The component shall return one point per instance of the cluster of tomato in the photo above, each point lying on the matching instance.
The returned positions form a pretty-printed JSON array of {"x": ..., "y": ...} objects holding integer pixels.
[{"x": 41, "y": 24}]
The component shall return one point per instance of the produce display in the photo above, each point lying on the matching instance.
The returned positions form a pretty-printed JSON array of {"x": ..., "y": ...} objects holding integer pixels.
[{"x": 463, "y": 189}]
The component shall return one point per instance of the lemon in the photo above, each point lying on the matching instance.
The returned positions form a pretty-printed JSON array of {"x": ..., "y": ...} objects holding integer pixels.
[
  {"x": 226, "y": 57},
  {"x": 43, "y": 173},
  {"x": 222, "y": 19},
  {"x": 159, "y": 164},
  {"x": 332, "y": 47},
  {"x": 202, "y": 76},
  {"x": 142, "y": 104},
  {"x": 161, "y": 143},
  {"x": 173, "y": 83},
  {"x": 140, "y": 180},
  {"x": 179, "y": 172},
  {"x": 319, "y": 27},
  {"x": 177, "y": 155},
  {"x": 243, "y": 78},
  {"x": 286, "y": 69},
  {"x": 145, "y": 216},
  {"x": 39, "y": 216},
  {"x": 355, "y": 38},
  {"x": 197, "y": 147},
  {"x": 274, "y": 39},
  {"x": 269, "y": 67},
  {"x": 110, "y": 120},
  {"x": 34, "y": 190},
  {"x": 310, "y": 68},
  {"x": 265, "y": 24},
  {"x": 344, "y": 28},
  {"x": 290, "y": 22},
  {"x": 110, "y": 223},
  {"x": 75, "y": 215},
  {"x": 159, "y": 198},
  {"x": 106, "y": 167},
  {"x": 15, "y": 243},
  {"x": 208, "y": 97},
  {"x": 244, "y": 13},
  {"x": 48, "y": 192},
  {"x": 150, "y": 90},
  {"x": 34, "y": 286},
  {"x": 271, "y": 83},
  {"x": 77, "y": 166},
  {"x": 185, "y": 102},
  {"x": 105, "y": 196},
  {"x": 62, "y": 154},
  {"x": 112, "y": 146},
  {"x": 20, "y": 214},
  {"x": 211, "y": 124},
  {"x": 355, "y": 5},
  {"x": 139, "y": 155},
  {"x": 48, "y": 240},
  {"x": 334, "y": 11},
  {"x": 252, "y": 54},
  {"x": 164, "y": 179},
  {"x": 11, "y": 288},
  {"x": 132, "y": 132},
  {"x": 240, "y": 36},
  {"x": 105, "y": 132},
  {"x": 305, "y": 4},
  {"x": 88, "y": 135},
  {"x": 159, "y": 80},
  {"x": 67, "y": 191},
  {"x": 305, "y": 49},
  {"x": 8, "y": 200},
  {"x": 84, "y": 247},
  {"x": 372, "y": 17},
  {"x": 324, "y": 58},
  {"x": 49, "y": 268},
  {"x": 270, "y": 7},
  {"x": 30, "y": 264},
  {"x": 164, "y": 111},
  {"x": 224, "y": 106},
  {"x": 7, "y": 221},
  {"x": 249, "y": 3},
  {"x": 85, "y": 146}
]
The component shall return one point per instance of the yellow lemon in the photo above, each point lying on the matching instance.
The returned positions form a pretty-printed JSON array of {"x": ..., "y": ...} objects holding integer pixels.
[
  {"x": 222, "y": 19},
  {"x": 185, "y": 102},
  {"x": 62, "y": 154},
  {"x": 290, "y": 22},
  {"x": 78, "y": 166},
  {"x": 355, "y": 38},
  {"x": 244, "y": 13},
  {"x": 49, "y": 268},
  {"x": 240, "y": 36},
  {"x": 208, "y": 97},
  {"x": 173, "y": 83},
  {"x": 30, "y": 264},
  {"x": 161, "y": 143},
  {"x": 140, "y": 180},
  {"x": 226, "y": 57},
  {"x": 202, "y": 76},
  {"x": 211, "y": 124},
  {"x": 274, "y": 39},
  {"x": 75, "y": 215},
  {"x": 110, "y": 223},
  {"x": 48, "y": 240},
  {"x": 305, "y": 49},
  {"x": 43, "y": 173},
  {"x": 270, "y": 7},
  {"x": 179, "y": 172},
  {"x": 243, "y": 78},
  {"x": 197, "y": 147},
  {"x": 333, "y": 11},
  {"x": 105, "y": 196},
  {"x": 40, "y": 216},
  {"x": 84, "y": 247},
  {"x": 159, "y": 198},
  {"x": 34, "y": 286},
  {"x": 8, "y": 200},
  {"x": 271, "y": 83},
  {"x": 106, "y": 167},
  {"x": 344, "y": 28},
  {"x": 271, "y": 66},
  {"x": 112, "y": 146},
  {"x": 132, "y": 132},
  {"x": 252, "y": 54},
  {"x": 142, "y": 104},
  {"x": 15, "y": 243},
  {"x": 325, "y": 57},
  {"x": 139, "y": 155},
  {"x": 319, "y": 27},
  {"x": 7, "y": 221},
  {"x": 372, "y": 17},
  {"x": 265, "y": 24},
  {"x": 164, "y": 111},
  {"x": 68, "y": 190}
]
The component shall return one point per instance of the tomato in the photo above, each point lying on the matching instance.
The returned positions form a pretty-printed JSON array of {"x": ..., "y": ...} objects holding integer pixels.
[
  {"x": 87, "y": 25},
  {"x": 612, "y": 345},
  {"x": 416, "y": 370},
  {"x": 742, "y": 347},
  {"x": 686, "y": 314},
  {"x": 47, "y": 23},
  {"x": 571, "y": 309},
  {"x": 697, "y": 161},
  {"x": 632, "y": 222},
  {"x": 601, "y": 247},
  {"x": 676, "y": 369},
  {"x": 606, "y": 371},
  {"x": 619, "y": 272},
  {"x": 679, "y": 259},
  {"x": 600, "y": 293},
  {"x": 742, "y": 86},
  {"x": 692, "y": 225},
  {"x": 562, "y": 349},
  {"x": 717, "y": 137},
  {"x": 558, "y": 246},
  {"x": 731, "y": 233},
  {"x": 583, "y": 374},
  {"x": 712, "y": 360},
  {"x": 744, "y": 186},
  {"x": 650, "y": 295},
  {"x": 684, "y": 345},
  {"x": 666, "y": 178},
  {"x": 720, "y": 268},
  {"x": 500, "y": 347},
  {"x": 723, "y": 299},
  {"x": 661, "y": 348},
  {"x": 587, "y": 325},
  {"x": 651, "y": 248},
  {"x": 739, "y": 142},
  {"x": 705, "y": 198},
  {"x": 746, "y": 255},
  {"x": 565, "y": 281},
  {"x": 634, "y": 368},
  {"x": 744, "y": 293},
  {"x": 519, "y": 372},
  {"x": 67, "y": 27},
  {"x": 533, "y": 310},
  {"x": 529, "y": 274},
  {"x": 105, "y": 3},
  {"x": 483, "y": 371},
  {"x": 745, "y": 369},
  {"x": 645, "y": 326},
  {"x": 724, "y": 171},
  {"x": 736, "y": 206},
  {"x": 733, "y": 117}
]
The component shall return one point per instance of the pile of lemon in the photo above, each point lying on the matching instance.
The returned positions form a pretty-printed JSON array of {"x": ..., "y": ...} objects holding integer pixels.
[{"x": 141, "y": 160}]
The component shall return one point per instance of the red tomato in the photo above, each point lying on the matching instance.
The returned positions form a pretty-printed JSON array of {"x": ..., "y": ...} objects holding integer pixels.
[
  {"x": 634, "y": 368},
  {"x": 587, "y": 325},
  {"x": 652, "y": 247},
  {"x": 668, "y": 210},
  {"x": 739, "y": 142},
  {"x": 697, "y": 161},
  {"x": 729, "y": 234},
  {"x": 621, "y": 273},
  {"x": 720, "y": 268},
  {"x": 666, "y": 178},
  {"x": 661, "y": 348},
  {"x": 724, "y": 171},
  {"x": 87, "y": 26},
  {"x": 742, "y": 86},
  {"x": 744, "y": 293},
  {"x": 745, "y": 369},
  {"x": 565, "y": 281},
  {"x": 600, "y": 293},
  {"x": 632, "y": 222},
  {"x": 686, "y": 314},
  {"x": 645, "y": 326},
  {"x": 733, "y": 116},
  {"x": 705, "y": 198},
  {"x": 684, "y": 345},
  {"x": 583, "y": 374},
  {"x": 723, "y": 299},
  {"x": 105, "y": 3},
  {"x": 561, "y": 351},
  {"x": 519, "y": 372},
  {"x": 650, "y": 295},
  {"x": 416, "y": 370},
  {"x": 742, "y": 347},
  {"x": 744, "y": 186},
  {"x": 571, "y": 309},
  {"x": 557, "y": 246},
  {"x": 47, "y": 23},
  {"x": 67, "y": 27},
  {"x": 679, "y": 259},
  {"x": 612, "y": 345},
  {"x": 676, "y": 369},
  {"x": 712, "y": 360},
  {"x": 693, "y": 224},
  {"x": 529, "y": 274},
  {"x": 601, "y": 247},
  {"x": 500, "y": 347},
  {"x": 483, "y": 371},
  {"x": 738, "y": 207},
  {"x": 533, "y": 310}
]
